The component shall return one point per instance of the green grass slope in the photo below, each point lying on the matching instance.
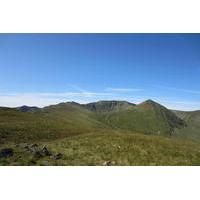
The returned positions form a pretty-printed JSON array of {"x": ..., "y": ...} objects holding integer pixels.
[
  {"x": 49, "y": 123},
  {"x": 148, "y": 117},
  {"x": 65, "y": 119},
  {"x": 109, "y": 135},
  {"x": 192, "y": 130},
  {"x": 112, "y": 148}
]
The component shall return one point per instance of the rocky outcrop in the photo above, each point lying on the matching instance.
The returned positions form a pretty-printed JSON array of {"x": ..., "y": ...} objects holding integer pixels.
[
  {"x": 108, "y": 106},
  {"x": 40, "y": 152}
]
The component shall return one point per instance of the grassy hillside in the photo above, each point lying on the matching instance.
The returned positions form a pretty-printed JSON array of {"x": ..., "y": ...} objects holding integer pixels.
[
  {"x": 192, "y": 130},
  {"x": 65, "y": 119},
  {"x": 111, "y": 148},
  {"x": 51, "y": 122},
  {"x": 148, "y": 117},
  {"x": 110, "y": 134}
]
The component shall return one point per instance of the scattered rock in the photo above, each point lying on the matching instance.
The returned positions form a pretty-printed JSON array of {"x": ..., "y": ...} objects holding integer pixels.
[
  {"x": 40, "y": 152},
  {"x": 46, "y": 152},
  {"x": 57, "y": 156},
  {"x": 109, "y": 163},
  {"x": 35, "y": 150},
  {"x": 33, "y": 147},
  {"x": 5, "y": 153}
]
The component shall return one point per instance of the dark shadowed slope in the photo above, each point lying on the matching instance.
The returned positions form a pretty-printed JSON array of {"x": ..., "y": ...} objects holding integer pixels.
[
  {"x": 108, "y": 106},
  {"x": 28, "y": 108}
]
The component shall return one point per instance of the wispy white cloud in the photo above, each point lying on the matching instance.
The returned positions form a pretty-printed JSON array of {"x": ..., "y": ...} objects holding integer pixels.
[
  {"x": 84, "y": 96},
  {"x": 44, "y": 99},
  {"x": 77, "y": 88},
  {"x": 123, "y": 89},
  {"x": 179, "y": 89},
  {"x": 66, "y": 94},
  {"x": 181, "y": 105}
]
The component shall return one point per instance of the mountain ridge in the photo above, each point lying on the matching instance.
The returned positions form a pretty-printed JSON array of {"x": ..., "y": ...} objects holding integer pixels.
[
  {"x": 25, "y": 108},
  {"x": 107, "y": 106},
  {"x": 149, "y": 101},
  {"x": 148, "y": 117}
]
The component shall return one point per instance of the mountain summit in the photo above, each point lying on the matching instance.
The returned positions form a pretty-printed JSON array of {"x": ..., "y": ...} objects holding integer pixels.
[
  {"x": 108, "y": 106},
  {"x": 28, "y": 108},
  {"x": 148, "y": 117}
]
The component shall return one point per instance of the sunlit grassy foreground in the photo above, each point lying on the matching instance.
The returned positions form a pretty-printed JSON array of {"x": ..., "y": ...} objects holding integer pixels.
[{"x": 114, "y": 148}]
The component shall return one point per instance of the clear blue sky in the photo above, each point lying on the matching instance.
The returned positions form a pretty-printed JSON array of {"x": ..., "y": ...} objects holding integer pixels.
[{"x": 42, "y": 69}]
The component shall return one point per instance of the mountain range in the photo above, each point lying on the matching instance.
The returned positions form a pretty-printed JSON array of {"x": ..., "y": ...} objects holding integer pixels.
[{"x": 72, "y": 121}]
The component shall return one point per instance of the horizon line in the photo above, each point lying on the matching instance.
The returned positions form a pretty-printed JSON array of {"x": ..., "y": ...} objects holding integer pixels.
[{"x": 134, "y": 103}]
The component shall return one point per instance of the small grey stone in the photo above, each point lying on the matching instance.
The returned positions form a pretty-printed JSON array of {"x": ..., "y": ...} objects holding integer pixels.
[{"x": 109, "y": 163}]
